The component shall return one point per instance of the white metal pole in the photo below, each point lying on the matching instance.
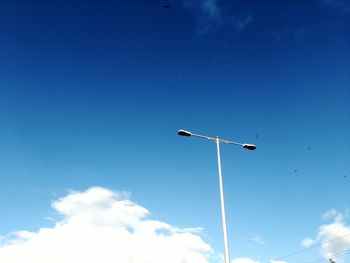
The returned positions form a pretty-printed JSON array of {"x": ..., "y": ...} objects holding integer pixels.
[{"x": 224, "y": 227}]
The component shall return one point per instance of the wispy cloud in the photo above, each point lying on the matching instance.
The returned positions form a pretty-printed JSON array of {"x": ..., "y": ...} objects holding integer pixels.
[
  {"x": 333, "y": 214},
  {"x": 211, "y": 9},
  {"x": 207, "y": 14},
  {"x": 300, "y": 33},
  {"x": 258, "y": 239},
  {"x": 296, "y": 33},
  {"x": 242, "y": 23},
  {"x": 211, "y": 15},
  {"x": 307, "y": 242},
  {"x": 341, "y": 5},
  {"x": 208, "y": 8},
  {"x": 98, "y": 225}
]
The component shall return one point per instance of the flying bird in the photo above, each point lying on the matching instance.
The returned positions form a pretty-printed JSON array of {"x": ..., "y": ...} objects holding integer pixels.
[
  {"x": 295, "y": 170},
  {"x": 309, "y": 148},
  {"x": 166, "y": 6}
]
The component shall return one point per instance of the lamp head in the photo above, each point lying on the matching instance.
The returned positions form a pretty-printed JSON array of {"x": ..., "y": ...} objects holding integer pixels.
[
  {"x": 249, "y": 146},
  {"x": 184, "y": 133}
]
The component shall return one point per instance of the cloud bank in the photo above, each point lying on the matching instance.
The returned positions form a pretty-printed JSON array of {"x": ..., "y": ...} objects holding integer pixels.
[{"x": 100, "y": 225}]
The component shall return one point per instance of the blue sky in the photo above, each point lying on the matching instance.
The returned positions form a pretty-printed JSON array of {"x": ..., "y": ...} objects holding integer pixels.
[{"x": 93, "y": 93}]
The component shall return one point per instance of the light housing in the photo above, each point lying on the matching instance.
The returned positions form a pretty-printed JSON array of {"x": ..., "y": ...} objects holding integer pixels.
[
  {"x": 184, "y": 133},
  {"x": 251, "y": 147}
]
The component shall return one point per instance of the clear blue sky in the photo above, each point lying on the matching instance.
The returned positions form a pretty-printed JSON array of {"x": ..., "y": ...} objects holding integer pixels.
[{"x": 92, "y": 93}]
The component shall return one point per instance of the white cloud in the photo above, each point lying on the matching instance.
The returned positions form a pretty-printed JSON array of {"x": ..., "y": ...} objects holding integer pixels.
[
  {"x": 244, "y": 260},
  {"x": 332, "y": 214},
  {"x": 335, "y": 236},
  {"x": 99, "y": 225},
  {"x": 249, "y": 260},
  {"x": 307, "y": 242},
  {"x": 258, "y": 239}
]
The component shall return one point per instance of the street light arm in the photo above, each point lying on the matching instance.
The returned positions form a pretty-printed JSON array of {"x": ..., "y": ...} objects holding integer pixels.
[
  {"x": 244, "y": 145},
  {"x": 204, "y": 137},
  {"x": 216, "y": 140},
  {"x": 230, "y": 142},
  {"x": 186, "y": 133}
]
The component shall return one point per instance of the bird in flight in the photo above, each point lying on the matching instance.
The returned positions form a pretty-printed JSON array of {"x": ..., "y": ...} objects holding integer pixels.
[
  {"x": 166, "y": 6},
  {"x": 295, "y": 170},
  {"x": 309, "y": 148}
]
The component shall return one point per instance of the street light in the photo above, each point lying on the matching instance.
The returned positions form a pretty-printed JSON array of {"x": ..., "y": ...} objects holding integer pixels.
[{"x": 223, "y": 215}]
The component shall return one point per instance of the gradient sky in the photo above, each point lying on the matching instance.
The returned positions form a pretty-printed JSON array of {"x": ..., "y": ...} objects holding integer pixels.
[{"x": 92, "y": 93}]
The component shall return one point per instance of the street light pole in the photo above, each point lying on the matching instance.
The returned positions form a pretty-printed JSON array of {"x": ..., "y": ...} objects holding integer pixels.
[{"x": 222, "y": 200}]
